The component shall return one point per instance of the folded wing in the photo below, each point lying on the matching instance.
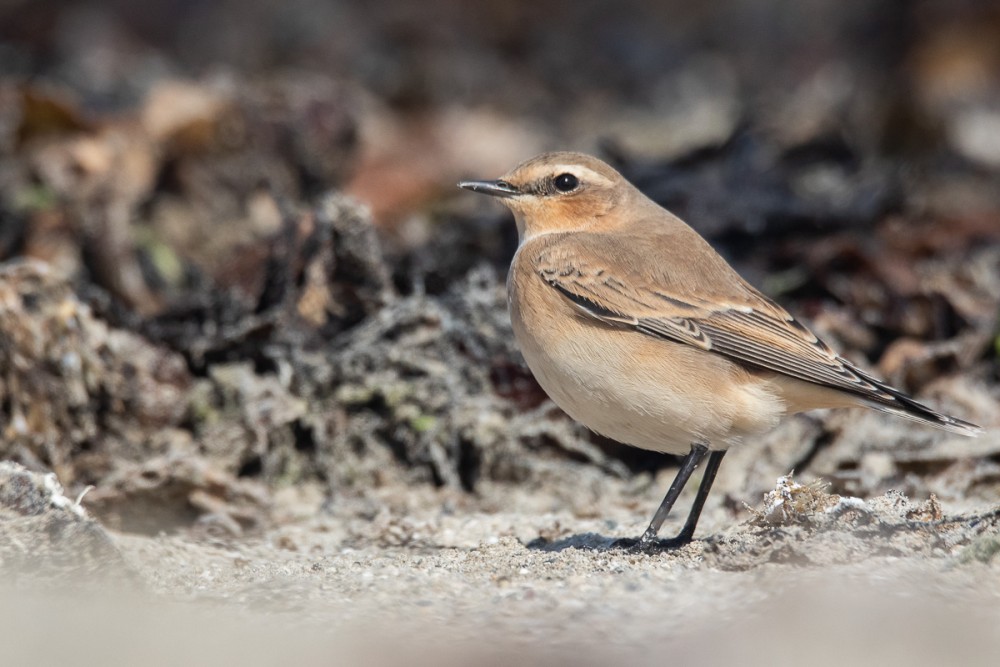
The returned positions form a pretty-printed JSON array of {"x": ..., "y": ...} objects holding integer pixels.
[{"x": 741, "y": 324}]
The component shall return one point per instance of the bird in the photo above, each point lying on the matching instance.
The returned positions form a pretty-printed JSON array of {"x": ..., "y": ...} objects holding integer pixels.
[{"x": 636, "y": 327}]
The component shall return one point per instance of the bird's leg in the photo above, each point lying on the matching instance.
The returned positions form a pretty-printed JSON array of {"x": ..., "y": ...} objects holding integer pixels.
[
  {"x": 688, "y": 466},
  {"x": 711, "y": 468}
]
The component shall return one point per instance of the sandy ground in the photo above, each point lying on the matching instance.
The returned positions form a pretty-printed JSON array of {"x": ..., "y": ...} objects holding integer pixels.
[{"x": 804, "y": 577}]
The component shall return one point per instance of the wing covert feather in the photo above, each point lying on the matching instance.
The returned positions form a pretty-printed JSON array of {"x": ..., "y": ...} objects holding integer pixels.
[{"x": 737, "y": 321}]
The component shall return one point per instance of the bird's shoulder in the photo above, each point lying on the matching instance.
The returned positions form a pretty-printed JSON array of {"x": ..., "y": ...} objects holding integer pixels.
[{"x": 646, "y": 265}]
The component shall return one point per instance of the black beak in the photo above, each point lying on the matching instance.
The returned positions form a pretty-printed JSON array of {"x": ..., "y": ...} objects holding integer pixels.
[{"x": 492, "y": 188}]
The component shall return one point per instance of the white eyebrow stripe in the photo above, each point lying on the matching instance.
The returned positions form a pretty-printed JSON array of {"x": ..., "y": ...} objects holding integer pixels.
[{"x": 581, "y": 172}]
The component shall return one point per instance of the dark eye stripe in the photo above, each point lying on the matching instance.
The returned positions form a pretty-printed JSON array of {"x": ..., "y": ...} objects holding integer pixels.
[{"x": 540, "y": 187}]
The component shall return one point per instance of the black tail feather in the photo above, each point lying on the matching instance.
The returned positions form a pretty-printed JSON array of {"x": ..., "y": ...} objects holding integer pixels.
[{"x": 897, "y": 403}]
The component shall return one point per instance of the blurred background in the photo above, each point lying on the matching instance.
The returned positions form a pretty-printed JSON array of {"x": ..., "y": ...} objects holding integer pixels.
[{"x": 256, "y": 259}]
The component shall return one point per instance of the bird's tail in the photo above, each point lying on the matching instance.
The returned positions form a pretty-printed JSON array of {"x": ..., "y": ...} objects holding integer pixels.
[{"x": 897, "y": 403}]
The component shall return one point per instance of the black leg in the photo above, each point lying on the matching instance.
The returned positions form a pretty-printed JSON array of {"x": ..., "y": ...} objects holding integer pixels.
[
  {"x": 688, "y": 466},
  {"x": 711, "y": 468}
]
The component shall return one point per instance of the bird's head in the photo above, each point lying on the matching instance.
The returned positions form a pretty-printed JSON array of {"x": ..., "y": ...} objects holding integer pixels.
[{"x": 556, "y": 192}]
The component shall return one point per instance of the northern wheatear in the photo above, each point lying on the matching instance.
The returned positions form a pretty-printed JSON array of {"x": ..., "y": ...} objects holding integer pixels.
[{"x": 637, "y": 328}]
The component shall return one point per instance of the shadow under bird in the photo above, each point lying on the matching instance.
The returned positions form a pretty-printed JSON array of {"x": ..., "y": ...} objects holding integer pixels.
[{"x": 637, "y": 328}]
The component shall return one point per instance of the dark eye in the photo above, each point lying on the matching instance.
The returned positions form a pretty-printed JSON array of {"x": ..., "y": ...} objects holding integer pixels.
[{"x": 566, "y": 182}]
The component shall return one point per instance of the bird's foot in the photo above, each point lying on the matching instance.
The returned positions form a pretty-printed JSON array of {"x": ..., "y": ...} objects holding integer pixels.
[
  {"x": 625, "y": 544},
  {"x": 649, "y": 543}
]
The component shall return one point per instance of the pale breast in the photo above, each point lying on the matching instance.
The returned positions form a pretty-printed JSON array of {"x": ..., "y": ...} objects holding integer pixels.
[{"x": 633, "y": 388}]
